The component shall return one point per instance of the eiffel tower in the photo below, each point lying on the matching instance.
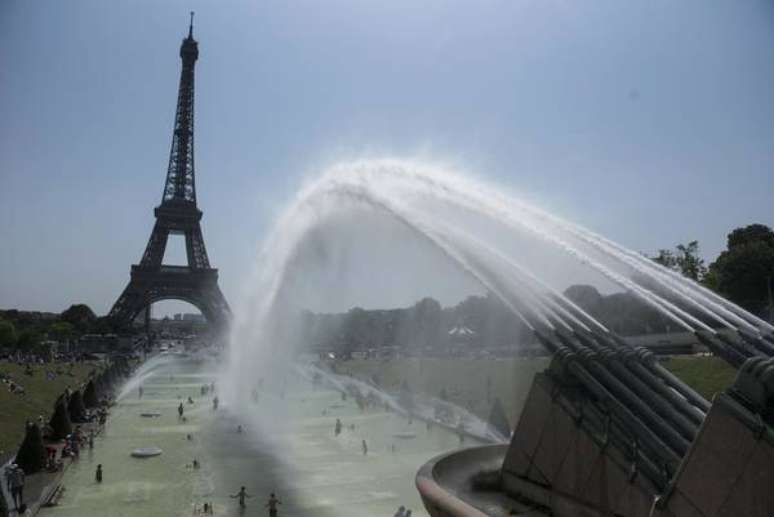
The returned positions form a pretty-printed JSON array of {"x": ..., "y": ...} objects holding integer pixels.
[{"x": 151, "y": 280}]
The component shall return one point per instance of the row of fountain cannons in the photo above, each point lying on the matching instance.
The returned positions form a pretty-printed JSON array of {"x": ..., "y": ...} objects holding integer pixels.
[{"x": 607, "y": 431}]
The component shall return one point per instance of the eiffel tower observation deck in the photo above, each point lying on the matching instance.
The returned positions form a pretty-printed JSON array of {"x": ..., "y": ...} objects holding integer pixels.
[{"x": 152, "y": 280}]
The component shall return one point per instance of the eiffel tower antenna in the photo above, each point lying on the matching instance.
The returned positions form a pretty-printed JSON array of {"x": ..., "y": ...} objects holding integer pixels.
[{"x": 190, "y": 27}]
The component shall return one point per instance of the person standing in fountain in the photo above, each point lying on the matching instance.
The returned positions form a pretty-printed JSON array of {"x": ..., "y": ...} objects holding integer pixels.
[
  {"x": 241, "y": 495},
  {"x": 98, "y": 474},
  {"x": 272, "y": 505},
  {"x": 215, "y": 403},
  {"x": 337, "y": 427},
  {"x": 180, "y": 410},
  {"x": 365, "y": 448}
]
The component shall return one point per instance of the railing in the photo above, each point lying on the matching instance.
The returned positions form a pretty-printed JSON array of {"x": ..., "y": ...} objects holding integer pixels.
[{"x": 175, "y": 269}]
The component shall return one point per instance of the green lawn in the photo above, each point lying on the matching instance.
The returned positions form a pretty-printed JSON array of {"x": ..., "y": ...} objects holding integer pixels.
[
  {"x": 707, "y": 375},
  {"x": 38, "y": 399}
]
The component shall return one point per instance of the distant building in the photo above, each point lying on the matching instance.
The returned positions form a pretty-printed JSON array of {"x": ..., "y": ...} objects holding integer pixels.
[
  {"x": 461, "y": 333},
  {"x": 194, "y": 318},
  {"x": 461, "y": 340}
]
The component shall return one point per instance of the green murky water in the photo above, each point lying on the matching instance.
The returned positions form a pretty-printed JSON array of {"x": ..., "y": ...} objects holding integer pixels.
[{"x": 292, "y": 451}]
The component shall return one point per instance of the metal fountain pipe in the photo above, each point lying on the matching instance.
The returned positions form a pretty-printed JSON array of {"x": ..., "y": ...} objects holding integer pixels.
[
  {"x": 741, "y": 346},
  {"x": 634, "y": 362},
  {"x": 768, "y": 338},
  {"x": 729, "y": 354},
  {"x": 688, "y": 401},
  {"x": 663, "y": 406},
  {"x": 759, "y": 342},
  {"x": 627, "y": 419},
  {"x": 648, "y": 416},
  {"x": 649, "y": 359},
  {"x": 614, "y": 360}
]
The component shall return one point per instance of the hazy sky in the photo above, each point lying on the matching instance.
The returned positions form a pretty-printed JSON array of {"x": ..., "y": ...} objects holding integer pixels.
[{"x": 650, "y": 122}]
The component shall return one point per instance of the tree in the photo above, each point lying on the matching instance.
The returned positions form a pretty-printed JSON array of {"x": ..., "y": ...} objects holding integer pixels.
[
  {"x": 76, "y": 408},
  {"x": 60, "y": 421},
  {"x": 90, "y": 399},
  {"x": 666, "y": 258},
  {"x": 8, "y": 335},
  {"x": 80, "y": 316},
  {"x": 685, "y": 259},
  {"x": 29, "y": 340},
  {"x": 103, "y": 325},
  {"x": 426, "y": 328},
  {"x": 688, "y": 261},
  {"x": 750, "y": 234},
  {"x": 744, "y": 272},
  {"x": 31, "y": 456},
  {"x": 61, "y": 331}
]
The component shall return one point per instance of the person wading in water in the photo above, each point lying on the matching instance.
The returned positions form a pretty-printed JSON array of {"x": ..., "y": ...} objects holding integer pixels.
[
  {"x": 241, "y": 495},
  {"x": 272, "y": 505}
]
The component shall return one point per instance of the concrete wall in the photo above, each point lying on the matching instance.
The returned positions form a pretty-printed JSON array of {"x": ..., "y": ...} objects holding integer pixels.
[
  {"x": 558, "y": 464},
  {"x": 729, "y": 470}
]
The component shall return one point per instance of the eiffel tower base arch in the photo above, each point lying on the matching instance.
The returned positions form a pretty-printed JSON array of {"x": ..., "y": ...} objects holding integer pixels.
[{"x": 150, "y": 285}]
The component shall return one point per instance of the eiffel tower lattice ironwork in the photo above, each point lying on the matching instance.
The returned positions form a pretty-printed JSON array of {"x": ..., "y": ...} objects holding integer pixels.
[{"x": 151, "y": 280}]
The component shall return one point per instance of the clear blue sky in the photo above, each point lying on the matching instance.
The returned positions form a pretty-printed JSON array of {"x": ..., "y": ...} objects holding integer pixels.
[{"x": 650, "y": 122}]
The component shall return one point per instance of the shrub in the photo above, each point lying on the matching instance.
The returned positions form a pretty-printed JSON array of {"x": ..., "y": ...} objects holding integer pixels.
[
  {"x": 90, "y": 399},
  {"x": 76, "y": 407},
  {"x": 60, "y": 421},
  {"x": 31, "y": 456}
]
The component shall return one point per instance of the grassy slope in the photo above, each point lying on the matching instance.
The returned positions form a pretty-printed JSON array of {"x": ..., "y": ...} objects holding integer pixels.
[
  {"x": 707, "y": 375},
  {"x": 38, "y": 399},
  {"x": 465, "y": 380}
]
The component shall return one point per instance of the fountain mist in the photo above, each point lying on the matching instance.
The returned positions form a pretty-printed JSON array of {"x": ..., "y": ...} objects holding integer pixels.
[{"x": 520, "y": 253}]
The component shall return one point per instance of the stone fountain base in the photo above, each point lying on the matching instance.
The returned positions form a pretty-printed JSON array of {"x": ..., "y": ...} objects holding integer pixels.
[{"x": 565, "y": 459}]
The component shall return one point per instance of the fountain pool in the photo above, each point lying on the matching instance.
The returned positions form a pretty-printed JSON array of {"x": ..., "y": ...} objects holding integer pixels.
[{"x": 312, "y": 471}]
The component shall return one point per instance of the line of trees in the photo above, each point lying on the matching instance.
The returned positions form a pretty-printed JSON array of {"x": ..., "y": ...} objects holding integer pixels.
[
  {"x": 27, "y": 330},
  {"x": 742, "y": 273},
  {"x": 423, "y": 326}
]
